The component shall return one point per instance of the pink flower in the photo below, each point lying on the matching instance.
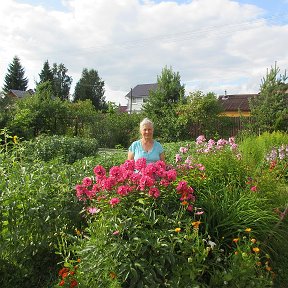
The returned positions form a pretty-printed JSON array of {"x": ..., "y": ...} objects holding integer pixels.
[
  {"x": 129, "y": 165},
  {"x": 160, "y": 164},
  {"x": 108, "y": 183},
  {"x": 93, "y": 210},
  {"x": 183, "y": 150},
  {"x": 114, "y": 201},
  {"x": 116, "y": 232},
  {"x": 150, "y": 169},
  {"x": 253, "y": 188},
  {"x": 140, "y": 164},
  {"x": 87, "y": 181},
  {"x": 182, "y": 186},
  {"x": 171, "y": 175},
  {"x": 200, "y": 139},
  {"x": 116, "y": 172},
  {"x": 123, "y": 190},
  {"x": 99, "y": 171},
  {"x": 190, "y": 208},
  {"x": 178, "y": 158},
  {"x": 146, "y": 181},
  {"x": 154, "y": 192}
]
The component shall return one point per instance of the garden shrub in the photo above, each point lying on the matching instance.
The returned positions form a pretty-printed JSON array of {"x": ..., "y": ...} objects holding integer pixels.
[{"x": 69, "y": 149}]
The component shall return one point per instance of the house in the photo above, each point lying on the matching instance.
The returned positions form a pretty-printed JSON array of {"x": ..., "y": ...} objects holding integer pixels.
[
  {"x": 138, "y": 96},
  {"x": 236, "y": 105},
  {"x": 19, "y": 94}
]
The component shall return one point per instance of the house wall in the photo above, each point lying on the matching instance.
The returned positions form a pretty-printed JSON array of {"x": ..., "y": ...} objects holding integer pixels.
[
  {"x": 137, "y": 103},
  {"x": 236, "y": 114}
]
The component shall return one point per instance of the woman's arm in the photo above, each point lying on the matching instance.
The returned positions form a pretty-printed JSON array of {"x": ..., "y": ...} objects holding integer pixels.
[
  {"x": 130, "y": 155},
  {"x": 162, "y": 156}
]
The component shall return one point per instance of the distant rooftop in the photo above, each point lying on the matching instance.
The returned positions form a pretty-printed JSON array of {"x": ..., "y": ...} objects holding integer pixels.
[
  {"x": 236, "y": 102},
  {"x": 142, "y": 90}
]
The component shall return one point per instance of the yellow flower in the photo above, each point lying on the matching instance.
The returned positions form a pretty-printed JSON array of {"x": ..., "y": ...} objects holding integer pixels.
[
  {"x": 196, "y": 224},
  {"x": 256, "y": 249},
  {"x": 15, "y": 139},
  {"x": 248, "y": 230},
  {"x": 253, "y": 240},
  {"x": 177, "y": 229},
  {"x": 235, "y": 240}
]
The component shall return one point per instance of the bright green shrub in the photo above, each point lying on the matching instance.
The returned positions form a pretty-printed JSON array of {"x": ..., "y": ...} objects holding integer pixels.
[{"x": 69, "y": 149}]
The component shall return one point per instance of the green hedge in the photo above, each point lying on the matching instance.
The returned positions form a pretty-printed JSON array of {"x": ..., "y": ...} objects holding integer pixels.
[{"x": 69, "y": 149}]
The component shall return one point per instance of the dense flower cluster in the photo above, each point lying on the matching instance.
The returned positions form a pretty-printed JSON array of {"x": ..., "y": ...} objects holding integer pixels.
[
  {"x": 67, "y": 277},
  {"x": 130, "y": 177},
  {"x": 212, "y": 145}
]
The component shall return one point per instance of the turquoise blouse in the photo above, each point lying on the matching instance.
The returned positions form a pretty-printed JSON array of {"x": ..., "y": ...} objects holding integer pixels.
[{"x": 151, "y": 156}]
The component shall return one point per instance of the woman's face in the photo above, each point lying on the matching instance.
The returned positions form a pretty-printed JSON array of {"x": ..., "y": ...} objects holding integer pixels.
[{"x": 147, "y": 131}]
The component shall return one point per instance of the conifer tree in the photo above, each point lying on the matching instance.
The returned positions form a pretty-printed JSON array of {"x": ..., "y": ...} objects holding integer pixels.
[
  {"x": 269, "y": 108},
  {"x": 15, "y": 78},
  {"x": 46, "y": 74},
  {"x": 90, "y": 86}
]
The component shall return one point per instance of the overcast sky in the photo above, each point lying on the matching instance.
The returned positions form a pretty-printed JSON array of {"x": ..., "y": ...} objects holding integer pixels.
[{"x": 215, "y": 45}]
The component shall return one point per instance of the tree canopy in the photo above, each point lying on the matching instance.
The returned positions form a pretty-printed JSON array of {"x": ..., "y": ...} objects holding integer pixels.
[
  {"x": 61, "y": 81},
  {"x": 269, "y": 108},
  {"x": 91, "y": 86},
  {"x": 15, "y": 77}
]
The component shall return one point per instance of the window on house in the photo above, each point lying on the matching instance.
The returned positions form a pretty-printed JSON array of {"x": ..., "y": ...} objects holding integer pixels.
[{"x": 134, "y": 100}]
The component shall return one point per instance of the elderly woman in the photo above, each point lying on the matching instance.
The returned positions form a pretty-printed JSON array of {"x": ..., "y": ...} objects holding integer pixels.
[{"x": 146, "y": 147}]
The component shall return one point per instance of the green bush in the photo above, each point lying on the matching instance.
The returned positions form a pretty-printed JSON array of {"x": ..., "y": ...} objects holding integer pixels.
[{"x": 69, "y": 149}]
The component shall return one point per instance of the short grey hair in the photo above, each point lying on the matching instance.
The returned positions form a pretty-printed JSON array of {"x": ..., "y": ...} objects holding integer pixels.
[{"x": 146, "y": 121}]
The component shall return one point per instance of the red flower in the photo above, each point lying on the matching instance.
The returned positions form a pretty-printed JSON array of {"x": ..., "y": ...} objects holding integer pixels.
[
  {"x": 62, "y": 283},
  {"x": 73, "y": 283}
]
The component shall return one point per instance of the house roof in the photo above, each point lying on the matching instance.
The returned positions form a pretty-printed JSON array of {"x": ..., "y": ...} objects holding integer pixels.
[
  {"x": 236, "y": 102},
  {"x": 142, "y": 90},
  {"x": 20, "y": 93}
]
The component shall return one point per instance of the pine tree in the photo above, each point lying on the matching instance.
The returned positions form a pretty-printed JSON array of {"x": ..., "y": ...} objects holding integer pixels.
[
  {"x": 90, "y": 86},
  {"x": 46, "y": 74},
  {"x": 269, "y": 108},
  {"x": 15, "y": 79}
]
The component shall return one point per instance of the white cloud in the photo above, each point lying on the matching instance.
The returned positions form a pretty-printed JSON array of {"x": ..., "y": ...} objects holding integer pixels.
[{"x": 215, "y": 45}]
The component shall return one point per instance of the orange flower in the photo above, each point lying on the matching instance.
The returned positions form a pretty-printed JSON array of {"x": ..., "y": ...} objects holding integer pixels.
[
  {"x": 112, "y": 275},
  {"x": 184, "y": 203},
  {"x": 78, "y": 260},
  {"x": 64, "y": 275},
  {"x": 63, "y": 270},
  {"x": 196, "y": 224},
  {"x": 258, "y": 263},
  {"x": 235, "y": 240},
  {"x": 177, "y": 229},
  {"x": 268, "y": 268},
  {"x": 62, "y": 283},
  {"x": 256, "y": 249}
]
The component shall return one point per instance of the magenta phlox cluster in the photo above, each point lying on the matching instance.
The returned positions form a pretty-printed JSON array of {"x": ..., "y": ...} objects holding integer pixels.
[{"x": 130, "y": 177}]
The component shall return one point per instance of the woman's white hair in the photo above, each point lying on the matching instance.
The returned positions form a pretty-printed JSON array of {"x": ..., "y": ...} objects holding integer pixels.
[{"x": 146, "y": 121}]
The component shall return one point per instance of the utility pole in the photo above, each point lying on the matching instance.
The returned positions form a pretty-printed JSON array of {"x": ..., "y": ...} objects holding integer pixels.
[{"x": 131, "y": 101}]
